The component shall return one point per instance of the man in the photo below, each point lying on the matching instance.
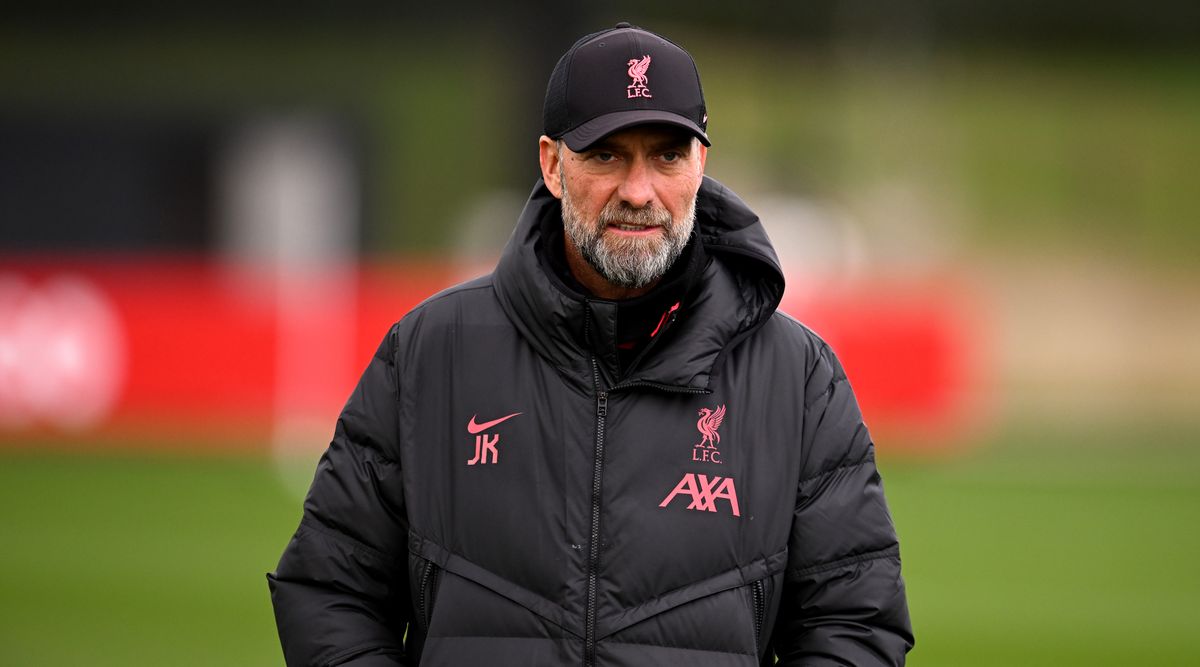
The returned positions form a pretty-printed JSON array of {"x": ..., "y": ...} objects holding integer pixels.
[{"x": 611, "y": 451}]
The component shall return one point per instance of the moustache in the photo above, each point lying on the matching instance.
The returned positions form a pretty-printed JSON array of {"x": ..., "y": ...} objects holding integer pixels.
[{"x": 623, "y": 214}]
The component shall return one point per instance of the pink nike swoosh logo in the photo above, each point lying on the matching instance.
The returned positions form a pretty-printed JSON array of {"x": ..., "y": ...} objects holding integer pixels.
[{"x": 474, "y": 428}]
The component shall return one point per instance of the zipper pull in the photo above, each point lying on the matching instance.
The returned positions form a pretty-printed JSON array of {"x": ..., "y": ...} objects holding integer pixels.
[{"x": 602, "y": 403}]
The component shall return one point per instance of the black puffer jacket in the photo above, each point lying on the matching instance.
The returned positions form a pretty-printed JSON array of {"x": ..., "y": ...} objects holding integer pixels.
[{"x": 496, "y": 486}]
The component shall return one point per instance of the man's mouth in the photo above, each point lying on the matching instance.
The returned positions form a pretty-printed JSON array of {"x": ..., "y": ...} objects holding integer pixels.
[{"x": 632, "y": 229}]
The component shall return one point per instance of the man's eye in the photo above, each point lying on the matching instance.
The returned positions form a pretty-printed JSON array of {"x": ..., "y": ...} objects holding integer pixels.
[
  {"x": 603, "y": 157},
  {"x": 672, "y": 156}
]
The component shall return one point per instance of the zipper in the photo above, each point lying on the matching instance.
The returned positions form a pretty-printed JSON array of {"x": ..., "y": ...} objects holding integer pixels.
[
  {"x": 589, "y": 653},
  {"x": 428, "y": 590},
  {"x": 593, "y": 564},
  {"x": 759, "y": 594}
]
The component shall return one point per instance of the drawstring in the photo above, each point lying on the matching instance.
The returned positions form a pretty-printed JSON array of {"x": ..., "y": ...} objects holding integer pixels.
[{"x": 663, "y": 319}]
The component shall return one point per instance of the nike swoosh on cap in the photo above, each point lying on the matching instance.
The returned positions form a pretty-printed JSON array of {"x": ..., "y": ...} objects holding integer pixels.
[{"x": 474, "y": 428}]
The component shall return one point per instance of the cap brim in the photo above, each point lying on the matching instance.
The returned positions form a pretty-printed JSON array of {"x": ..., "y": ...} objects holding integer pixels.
[{"x": 599, "y": 127}]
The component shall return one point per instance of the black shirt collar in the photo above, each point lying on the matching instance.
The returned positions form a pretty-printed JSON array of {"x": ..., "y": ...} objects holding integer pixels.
[{"x": 640, "y": 319}]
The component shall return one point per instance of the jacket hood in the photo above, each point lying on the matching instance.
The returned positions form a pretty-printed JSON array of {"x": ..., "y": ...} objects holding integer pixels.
[{"x": 738, "y": 290}]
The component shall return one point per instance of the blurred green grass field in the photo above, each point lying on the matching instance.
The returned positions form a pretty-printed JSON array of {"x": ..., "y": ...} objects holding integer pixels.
[{"x": 1034, "y": 550}]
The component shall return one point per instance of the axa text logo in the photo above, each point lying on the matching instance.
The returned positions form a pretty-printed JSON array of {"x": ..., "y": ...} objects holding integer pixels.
[
  {"x": 637, "y": 72},
  {"x": 709, "y": 422},
  {"x": 485, "y": 443},
  {"x": 704, "y": 492}
]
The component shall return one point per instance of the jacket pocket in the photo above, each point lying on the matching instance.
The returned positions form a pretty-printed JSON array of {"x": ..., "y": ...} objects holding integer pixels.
[{"x": 430, "y": 574}]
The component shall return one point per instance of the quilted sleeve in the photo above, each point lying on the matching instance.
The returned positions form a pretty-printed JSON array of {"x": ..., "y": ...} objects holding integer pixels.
[
  {"x": 843, "y": 597},
  {"x": 340, "y": 590}
]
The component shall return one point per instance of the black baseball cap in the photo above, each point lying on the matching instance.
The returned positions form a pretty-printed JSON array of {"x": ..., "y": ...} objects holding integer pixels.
[{"x": 618, "y": 78}]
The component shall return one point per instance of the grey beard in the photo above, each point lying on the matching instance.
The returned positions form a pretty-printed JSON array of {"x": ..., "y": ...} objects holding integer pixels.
[{"x": 627, "y": 262}]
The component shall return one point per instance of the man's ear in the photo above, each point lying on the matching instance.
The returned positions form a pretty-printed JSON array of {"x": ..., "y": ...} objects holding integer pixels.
[
  {"x": 703, "y": 152},
  {"x": 549, "y": 157}
]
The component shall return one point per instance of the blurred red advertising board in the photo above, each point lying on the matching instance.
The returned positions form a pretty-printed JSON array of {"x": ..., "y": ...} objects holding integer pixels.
[
  {"x": 917, "y": 351},
  {"x": 186, "y": 352}
]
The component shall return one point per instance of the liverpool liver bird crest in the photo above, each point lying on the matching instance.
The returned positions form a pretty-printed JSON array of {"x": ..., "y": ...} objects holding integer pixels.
[
  {"x": 710, "y": 421},
  {"x": 637, "y": 72}
]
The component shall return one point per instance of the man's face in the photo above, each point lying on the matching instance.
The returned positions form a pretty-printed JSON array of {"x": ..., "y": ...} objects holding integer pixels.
[{"x": 628, "y": 205}]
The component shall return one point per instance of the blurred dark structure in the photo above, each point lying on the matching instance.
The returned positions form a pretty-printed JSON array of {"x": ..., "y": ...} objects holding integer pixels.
[
  {"x": 543, "y": 25},
  {"x": 110, "y": 113},
  {"x": 95, "y": 183}
]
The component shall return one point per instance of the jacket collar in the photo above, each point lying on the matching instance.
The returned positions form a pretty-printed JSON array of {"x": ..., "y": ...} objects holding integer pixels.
[{"x": 739, "y": 289}]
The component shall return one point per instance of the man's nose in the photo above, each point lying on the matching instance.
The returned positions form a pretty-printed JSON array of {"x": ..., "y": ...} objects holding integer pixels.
[{"x": 637, "y": 189}]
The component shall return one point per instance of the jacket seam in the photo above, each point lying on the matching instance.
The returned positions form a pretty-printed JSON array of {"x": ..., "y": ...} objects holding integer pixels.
[
  {"x": 392, "y": 338},
  {"x": 682, "y": 648},
  {"x": 747, "y": 575},
  {"x": 826, "y": 354},
  {"x": 374, "y": 452},
  {"x": 823, "y": 351},
  {"x": 828, "y": 389},
  {"x": 846, "y": 466},
  {"x": 457, "y": 289},
  {"x": 457, "y": 635},
  {"x": 822, "y": 348},
  {"x": 349, "y": 654},
  {"x": 378, "y": 454},
  {"x": 310, "y": 523},
  {"x": 804, "y": 328},
  {"x": 889, "y": 552}
]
